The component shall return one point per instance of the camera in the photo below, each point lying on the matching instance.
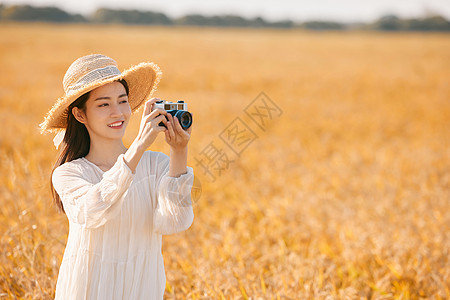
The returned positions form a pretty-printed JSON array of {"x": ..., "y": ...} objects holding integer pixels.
[{"x": 176, "y": 109}]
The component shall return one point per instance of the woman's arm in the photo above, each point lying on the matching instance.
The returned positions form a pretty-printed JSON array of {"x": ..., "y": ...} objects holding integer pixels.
[
  {"x": 173, "y": 211},
  {"x": 178, "y": 139},
  {"x": 87, "y": 204}
]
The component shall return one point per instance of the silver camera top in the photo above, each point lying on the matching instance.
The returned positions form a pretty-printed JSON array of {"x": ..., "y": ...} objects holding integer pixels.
[{"x": 163, "y": 104}]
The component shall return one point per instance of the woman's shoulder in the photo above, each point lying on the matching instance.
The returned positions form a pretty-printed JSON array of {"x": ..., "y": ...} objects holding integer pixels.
[
  {"x": 75, "y": 166},
  {"x": 68, "y": 172}
]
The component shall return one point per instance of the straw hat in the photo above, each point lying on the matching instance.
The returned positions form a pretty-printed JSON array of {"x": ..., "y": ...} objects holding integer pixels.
[{"x": 92, "y": 71}]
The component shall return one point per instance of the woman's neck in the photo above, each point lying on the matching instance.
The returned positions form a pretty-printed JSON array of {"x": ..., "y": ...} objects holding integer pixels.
[{"x": 104, "y": 153}]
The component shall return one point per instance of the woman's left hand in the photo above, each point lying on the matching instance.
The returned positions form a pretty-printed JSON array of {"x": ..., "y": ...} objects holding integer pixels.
[{"x": 176, "y": 136}]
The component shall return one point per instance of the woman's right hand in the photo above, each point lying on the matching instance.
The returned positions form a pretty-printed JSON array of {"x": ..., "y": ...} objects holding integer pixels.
[
  {"x": 148, "y": 132},
  {"x": 149, "y": 128}
]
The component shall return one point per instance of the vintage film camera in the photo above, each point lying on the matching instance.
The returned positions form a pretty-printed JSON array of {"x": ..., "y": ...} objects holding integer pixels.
[{"x": 176, "y": 109}]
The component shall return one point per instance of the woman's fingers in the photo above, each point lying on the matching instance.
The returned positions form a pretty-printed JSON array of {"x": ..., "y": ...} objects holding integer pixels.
[
  {"x": 153, "y": 101},
  {"x": 147, "y": 108},
  {"x": 149, "y": 122},
  {"x": 149, "y": 104},
  {"x": 160, "y": 119},
  {"x": 178, "y": 127},
  {"x": 170, "y": 128},
  {"x": 157, "y": 112},
  {"x": 189, "y": 130}
]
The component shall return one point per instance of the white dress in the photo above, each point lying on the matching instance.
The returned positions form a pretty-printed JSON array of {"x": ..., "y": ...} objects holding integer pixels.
[{"x": 116, "y": 220}]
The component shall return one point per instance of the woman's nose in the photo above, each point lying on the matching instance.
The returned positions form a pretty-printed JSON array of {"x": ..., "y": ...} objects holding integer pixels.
[{"x": 116, "y": 111}]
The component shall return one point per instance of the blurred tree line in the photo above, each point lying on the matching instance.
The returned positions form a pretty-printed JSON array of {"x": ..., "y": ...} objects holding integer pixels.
[{"x": 27, "y": 13}]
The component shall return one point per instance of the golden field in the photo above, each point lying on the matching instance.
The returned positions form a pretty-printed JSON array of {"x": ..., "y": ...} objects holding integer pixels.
[{"x": 345, "y": 195}]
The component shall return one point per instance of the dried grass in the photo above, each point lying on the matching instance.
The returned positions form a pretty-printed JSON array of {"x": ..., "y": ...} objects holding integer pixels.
[{"x": 345, "y": 196}]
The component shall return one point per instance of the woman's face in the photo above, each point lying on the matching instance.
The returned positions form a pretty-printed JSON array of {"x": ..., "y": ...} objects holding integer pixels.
[{"x": 107, "y": 112}]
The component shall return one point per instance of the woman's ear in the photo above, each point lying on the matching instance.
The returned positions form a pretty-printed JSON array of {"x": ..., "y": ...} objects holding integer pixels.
[{"x": 79, "y": 115}]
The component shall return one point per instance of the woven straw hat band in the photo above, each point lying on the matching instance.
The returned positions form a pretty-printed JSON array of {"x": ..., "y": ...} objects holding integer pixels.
[{"x": 86, "y": 70}]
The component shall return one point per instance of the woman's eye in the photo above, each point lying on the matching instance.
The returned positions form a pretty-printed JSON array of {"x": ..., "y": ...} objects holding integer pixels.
[
  {"x": 124, "y": 101},
  {"x": 103, "y": 105}
]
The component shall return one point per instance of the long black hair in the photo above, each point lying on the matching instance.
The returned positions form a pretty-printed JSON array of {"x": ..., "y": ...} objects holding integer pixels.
[{"x": 76, "y": 142}]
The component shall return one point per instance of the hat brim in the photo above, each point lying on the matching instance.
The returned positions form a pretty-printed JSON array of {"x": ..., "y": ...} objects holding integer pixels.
[{"x": 142, "y": 81}]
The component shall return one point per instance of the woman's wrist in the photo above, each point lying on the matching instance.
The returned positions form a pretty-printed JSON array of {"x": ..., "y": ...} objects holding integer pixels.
[
  {"x": 139, "y": 145},
  {"x": 178, "y": 161},
  {"x": 134, "y": 154},
  {"x": 180, "y": 150}
]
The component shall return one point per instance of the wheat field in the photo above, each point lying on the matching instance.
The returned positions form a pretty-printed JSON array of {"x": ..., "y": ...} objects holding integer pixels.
[{"x": 344, "y": 195}]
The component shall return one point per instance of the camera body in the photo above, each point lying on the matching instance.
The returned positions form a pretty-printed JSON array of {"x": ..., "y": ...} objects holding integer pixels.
[{"x": 177, "y": 109}]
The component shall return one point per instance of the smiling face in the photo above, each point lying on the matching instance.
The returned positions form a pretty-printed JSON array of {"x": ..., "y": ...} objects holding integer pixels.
[{"x": 107, "y": 112}]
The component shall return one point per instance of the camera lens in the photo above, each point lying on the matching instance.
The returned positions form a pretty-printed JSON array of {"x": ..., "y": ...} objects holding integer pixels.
[{"x": 185, "y": 118}]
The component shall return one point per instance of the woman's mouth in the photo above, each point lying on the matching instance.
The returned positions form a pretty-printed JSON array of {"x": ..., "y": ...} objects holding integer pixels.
[{"x": 116, "y": 125}]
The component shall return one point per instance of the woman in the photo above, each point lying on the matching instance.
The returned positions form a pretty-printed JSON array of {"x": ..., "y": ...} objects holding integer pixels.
[{"x": 118, "y": 201}]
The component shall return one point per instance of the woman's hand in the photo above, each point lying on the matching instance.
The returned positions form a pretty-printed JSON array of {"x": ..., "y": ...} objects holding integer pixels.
[
  {"x": 176, "y": 136},
  {"x": 149, "y": 128}
]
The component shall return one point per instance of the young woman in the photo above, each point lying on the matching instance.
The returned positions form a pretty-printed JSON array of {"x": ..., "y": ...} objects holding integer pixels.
[{"x": 119, "y": 201}]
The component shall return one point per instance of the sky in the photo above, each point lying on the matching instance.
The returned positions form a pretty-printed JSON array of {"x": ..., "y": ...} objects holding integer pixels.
[{"x": 272, "y": 10}]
